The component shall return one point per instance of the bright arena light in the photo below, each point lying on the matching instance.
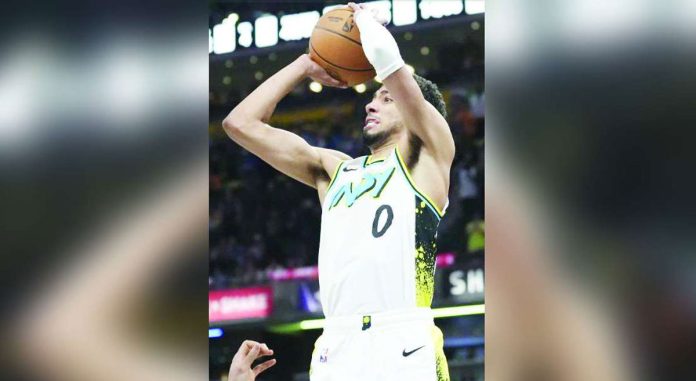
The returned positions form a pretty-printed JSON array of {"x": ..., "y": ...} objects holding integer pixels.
[
  {"x": 245, "y": 30},
  {"x": 360, "y": 88},
  {"x": 405, "y": 12},
  {"x": 472, "y": 7},
  {"x": 224, "y": 35},
  {"x": 438, "y": 313},
  {"x": 315, "y": 87},
  {"x": 297, "y": 26},
  {"x": 266, "y": 29},
  {"x": 312, "y": 324},
  {"x": 475, "y": 309},
  {"x": 437, "y": 8}
]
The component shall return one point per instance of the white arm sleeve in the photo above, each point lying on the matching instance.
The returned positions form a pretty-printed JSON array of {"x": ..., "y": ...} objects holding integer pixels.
[{"x": 379, "y": 45}]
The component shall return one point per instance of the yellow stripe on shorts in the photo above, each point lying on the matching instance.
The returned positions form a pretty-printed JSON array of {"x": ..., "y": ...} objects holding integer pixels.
[{"x": 440, "y": 360}]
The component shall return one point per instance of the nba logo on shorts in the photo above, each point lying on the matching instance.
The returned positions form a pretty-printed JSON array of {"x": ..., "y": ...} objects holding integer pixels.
[{"x": 323, "y": 355}]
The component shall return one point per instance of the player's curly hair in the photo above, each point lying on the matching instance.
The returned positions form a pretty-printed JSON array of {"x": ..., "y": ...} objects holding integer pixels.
[{"x": 431, "y": 94}]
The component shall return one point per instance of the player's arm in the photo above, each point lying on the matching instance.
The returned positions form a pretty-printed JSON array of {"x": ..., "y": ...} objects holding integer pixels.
[
  {"x": 327, "y": 152},
  {"x": 283, "y": 150},
  {"x": 421, "y": 118}
]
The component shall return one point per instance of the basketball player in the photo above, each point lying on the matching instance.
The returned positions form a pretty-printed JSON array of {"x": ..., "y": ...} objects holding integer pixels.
[{"x": 380, "y": 214}]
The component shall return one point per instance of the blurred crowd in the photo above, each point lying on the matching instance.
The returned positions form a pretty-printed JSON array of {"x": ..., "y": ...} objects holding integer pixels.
[{"x": 261, "y": 220}]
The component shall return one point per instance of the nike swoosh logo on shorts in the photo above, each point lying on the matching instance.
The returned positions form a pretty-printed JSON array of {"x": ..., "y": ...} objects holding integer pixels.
[
  {"x": 348, "y": 169},
  {"x": 406, "y": 354}
]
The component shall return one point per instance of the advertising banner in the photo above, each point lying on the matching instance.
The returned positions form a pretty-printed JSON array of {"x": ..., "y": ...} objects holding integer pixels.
[
  {"x": 236, "y": 304},
  {"x": 462, "y": 283}
]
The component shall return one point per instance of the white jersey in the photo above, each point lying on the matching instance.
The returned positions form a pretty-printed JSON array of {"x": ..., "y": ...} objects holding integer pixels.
[{"x": 378, "y": 232}]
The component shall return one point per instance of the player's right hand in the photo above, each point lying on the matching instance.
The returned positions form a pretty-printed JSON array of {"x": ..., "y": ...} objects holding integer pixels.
[
  {"x": 380, "y": 17},
  {"x": 317, "y": 73},
  {"x": 250, "y": 350}
]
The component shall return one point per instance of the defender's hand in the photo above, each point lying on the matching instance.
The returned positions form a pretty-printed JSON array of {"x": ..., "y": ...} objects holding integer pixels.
[
  {"x": 241, "y": 370},
  {"x": 317, "y": 73}
]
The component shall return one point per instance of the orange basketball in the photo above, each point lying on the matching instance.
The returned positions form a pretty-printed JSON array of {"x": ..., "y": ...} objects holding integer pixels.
[{"x": 335, "y": 46}]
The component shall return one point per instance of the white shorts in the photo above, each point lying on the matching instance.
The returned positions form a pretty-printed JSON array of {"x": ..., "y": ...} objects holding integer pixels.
[{"x": 398, "y": 346}]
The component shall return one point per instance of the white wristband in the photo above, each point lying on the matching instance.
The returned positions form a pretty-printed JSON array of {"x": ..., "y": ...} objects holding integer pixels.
[{"x": 379, "y": 45}]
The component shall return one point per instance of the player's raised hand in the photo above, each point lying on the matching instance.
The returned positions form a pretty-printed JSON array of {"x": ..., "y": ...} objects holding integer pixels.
[
  {"x": 317, "y": 73},
  {"x": 250, "y": 350},
  {"x": 376, "y": 14}
]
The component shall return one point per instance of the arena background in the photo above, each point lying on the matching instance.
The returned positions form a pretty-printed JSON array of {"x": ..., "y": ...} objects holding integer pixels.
[
  {"x": 264, "y": 227},
  {"x": 104, "y": 168}
]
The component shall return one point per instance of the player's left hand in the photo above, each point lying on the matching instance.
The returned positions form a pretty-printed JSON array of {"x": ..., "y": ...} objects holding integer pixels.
[
  {"x": 376, "y": 14},
  {"x": 318, "y": 73},
  {"x": 250, "y": 350}
]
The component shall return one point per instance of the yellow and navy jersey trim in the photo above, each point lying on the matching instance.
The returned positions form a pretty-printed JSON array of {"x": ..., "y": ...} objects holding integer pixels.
[
  {"x": 370, "y": 160},
  {"x": 441, "y": 368},
  {"x": 431, "y": 204}
]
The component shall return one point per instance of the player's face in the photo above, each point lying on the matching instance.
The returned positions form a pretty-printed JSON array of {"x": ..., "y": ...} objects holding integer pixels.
[{"x": 382, "y": 116}]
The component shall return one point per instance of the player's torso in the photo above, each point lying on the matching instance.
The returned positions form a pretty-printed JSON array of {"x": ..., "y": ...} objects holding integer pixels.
[{"x": 377, "y": 249}]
